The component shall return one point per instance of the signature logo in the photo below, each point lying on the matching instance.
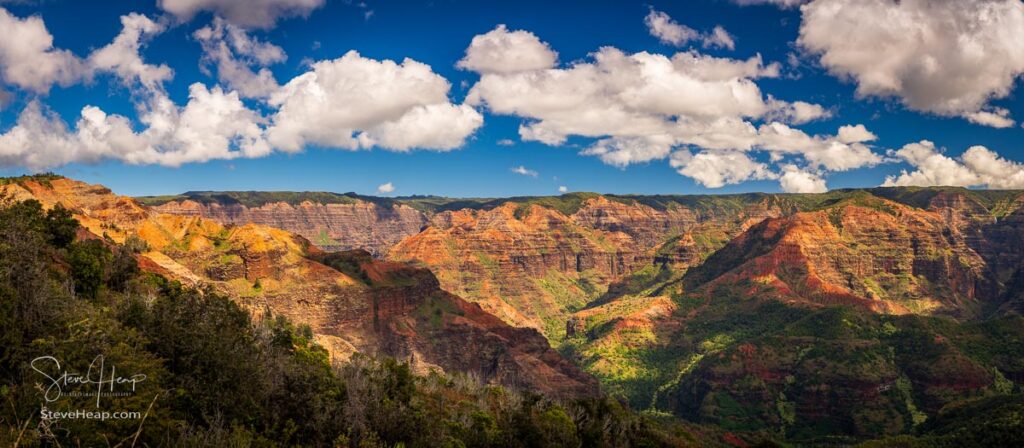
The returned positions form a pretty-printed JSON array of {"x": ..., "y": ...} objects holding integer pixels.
[{"x": 97, "y": 380}]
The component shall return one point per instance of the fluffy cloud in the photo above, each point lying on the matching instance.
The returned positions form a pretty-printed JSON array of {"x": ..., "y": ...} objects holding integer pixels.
[
  {"x": 829, "y": 153},
  {"x": 212, "y": 125},
  {"x": 662, "y": 26},
  {"x": 945, "y": 57},
  {"x": 625, "y": 151},
  {"x": 386, "y": 188},
  {"x": 719, "y": 38},
  {"x": 797, "y": 112},
  {"x": 627, "y": 95},
  {"x": 504, "y": 51},
  {"x": 563, "y": 189},
  {"x": 524, "y": 171},
  {"x": 121, "y": 57},
  {"x": 997, "y": 117},
  {"x": 248, "y": 14},
  {"x": 855, "y": 134},
  {"x": 670, "y": 32},
  {"x": 28, "y": 58},
  {"x": 795, "y": 180},
  {"x": 643, "y": 107},
  {"x": 235, "y": 54},
  {"x": 354, "y": 102},
  {"x": 976, "y": 167},
  {"x": 715, "y": 169}
]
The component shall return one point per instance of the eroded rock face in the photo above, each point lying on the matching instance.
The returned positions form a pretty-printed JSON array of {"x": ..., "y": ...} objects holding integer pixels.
[
  {"x": 527, "y": 265},
  {"x": 359, "y": 225},
  {"x": 881, "y": 255},
  {"x": 996, "y": 235},
  {"x": 648, "y": 227}
]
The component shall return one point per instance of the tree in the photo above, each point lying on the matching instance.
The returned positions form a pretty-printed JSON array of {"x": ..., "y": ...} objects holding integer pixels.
[
  {"x": 61, "y": 226},
  {"x": 89, "y": 260},
  {"x": 122, "y": 269}
]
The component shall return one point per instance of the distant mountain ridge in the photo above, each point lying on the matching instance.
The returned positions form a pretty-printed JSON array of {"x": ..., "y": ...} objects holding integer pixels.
[{"x": 570, "y": 202}]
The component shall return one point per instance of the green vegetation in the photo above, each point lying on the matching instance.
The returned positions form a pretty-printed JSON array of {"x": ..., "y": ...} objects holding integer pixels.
[
  {"x": 755, "y": 364},
  {"x": 994, "y": 201},
  {"x": 568, "y": 292},
  {"x": 990, "y": 422},
  {"x": 324, "y": 240},
  {"x": 44, "y": 178},
  {"x": 434, "y": 309},
  {"x": 348, "y": 263}
]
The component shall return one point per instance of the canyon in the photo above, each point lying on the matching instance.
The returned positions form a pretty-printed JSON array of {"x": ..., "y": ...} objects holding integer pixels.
[{"x": 855, "y": 313}]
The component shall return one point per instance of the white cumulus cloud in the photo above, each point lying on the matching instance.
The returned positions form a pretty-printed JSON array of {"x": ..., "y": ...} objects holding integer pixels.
[
  {"x": 855, "y": 134},
  {"x": 28, "y": 58},
  {"x": 944, "y": 57},
  {"x": 976, "y": 167},
  {"x": 627, "y": 95},
  {"x": 795, "y": 180},
  {"x": 504, "y": 51},
  {"x": 714, "y": 169},
  {"x": 996, "y": 117},
  {"x": 121, "y": 57},
  {"x": 670, "y": 32},
  {"x": 386, "y": 188},
  {"x": 354, "y": 102},
  {"x": 213, "y": 125},
  {"x": 821, "y": 152},
  {"x": 240, "y": 59},
  {"x": 797, "y": 112}
]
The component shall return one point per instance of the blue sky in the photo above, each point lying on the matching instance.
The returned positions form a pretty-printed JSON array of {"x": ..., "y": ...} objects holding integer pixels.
[{"x": 437, "y": 33}]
